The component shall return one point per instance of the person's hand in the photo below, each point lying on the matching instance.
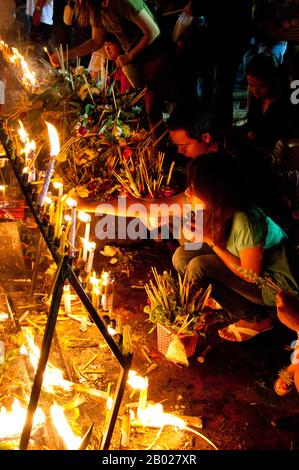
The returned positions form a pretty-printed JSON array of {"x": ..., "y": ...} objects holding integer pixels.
[
  {"x": 288, "y": 310},
  {"x": 54, "y": 59},
  {"x": 123, "y": 59},
  {"x": 37, "y": 15},
  {"x": 192, "y": 229}
]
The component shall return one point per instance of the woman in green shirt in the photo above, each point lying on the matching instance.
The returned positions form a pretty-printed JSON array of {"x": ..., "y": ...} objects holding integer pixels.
[{"x": 236, "y": 234}]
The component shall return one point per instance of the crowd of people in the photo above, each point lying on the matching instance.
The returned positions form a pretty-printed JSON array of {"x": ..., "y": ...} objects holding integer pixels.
[{"x": 234, "y": 172}]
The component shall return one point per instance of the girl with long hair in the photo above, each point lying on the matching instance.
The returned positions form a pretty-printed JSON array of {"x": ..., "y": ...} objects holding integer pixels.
[{"x": 236, "y": 234}]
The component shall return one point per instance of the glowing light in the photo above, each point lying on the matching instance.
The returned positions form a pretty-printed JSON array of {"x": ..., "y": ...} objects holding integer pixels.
[
  {"x": 154, "y": 416},
  {"x": 84, "y": 217},
  {"x": 136, "y": 381},
  {"x": 54, "y": 139},
  {"x": 53, "y": 376},
  {"x": 12, "y": 422},
  {"x": 63, "y": 428}
]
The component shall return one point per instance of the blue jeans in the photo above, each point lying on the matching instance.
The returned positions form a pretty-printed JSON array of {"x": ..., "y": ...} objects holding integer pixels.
[{"x": 239, "y": 298}]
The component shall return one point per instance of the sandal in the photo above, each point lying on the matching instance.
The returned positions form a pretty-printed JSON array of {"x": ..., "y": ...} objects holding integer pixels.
[
  {"x": 284, "y": 383},
  {"x": 234, "y": 332}
]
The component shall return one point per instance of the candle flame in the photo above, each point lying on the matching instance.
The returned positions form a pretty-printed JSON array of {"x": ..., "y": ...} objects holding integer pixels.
[
  {"x": 84, "y": 217},
  {"x": 63, "y": 428},
  {"x": 94, "y": 280},
  {"x": 48, "y": 200},
  {"x": 54, "y": 139},
  {"x": 109, "y": 403},
  {"x": 71, "y": 202},
  {"x": 57, "y": 184},
  {"x": 105, "y": 278},
  {"x": 90, "y": 246},
  {"x": 111, "y": 331},
  {"x": 136, "y": 381}
]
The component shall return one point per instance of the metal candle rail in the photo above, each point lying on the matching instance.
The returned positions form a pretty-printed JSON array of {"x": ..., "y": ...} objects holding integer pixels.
[{"x": 64, "y": 273}]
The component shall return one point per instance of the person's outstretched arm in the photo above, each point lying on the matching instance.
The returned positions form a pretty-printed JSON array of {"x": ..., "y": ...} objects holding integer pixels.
[
  {"x": 150, "y": 31},
  {"x": 115, "y": 207},
  {"x": 88, "y": 47}
]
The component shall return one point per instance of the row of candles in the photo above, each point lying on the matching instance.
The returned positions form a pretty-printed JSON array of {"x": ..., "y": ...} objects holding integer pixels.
[
  {"x": 63, "y": 225},
  {"x": 102, "y": 292},
  {"x": 57, "y": 219}
]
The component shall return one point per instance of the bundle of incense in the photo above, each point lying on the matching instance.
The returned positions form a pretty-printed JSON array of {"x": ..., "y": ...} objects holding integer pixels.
[{"x": 266, "y": 281}]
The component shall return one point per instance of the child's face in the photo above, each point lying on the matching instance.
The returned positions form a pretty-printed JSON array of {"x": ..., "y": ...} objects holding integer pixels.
[{"x": 112, "y": 50}]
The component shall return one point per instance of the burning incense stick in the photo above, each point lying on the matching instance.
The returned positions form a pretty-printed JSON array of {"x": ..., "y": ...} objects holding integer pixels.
[{"x": 170, "y": 173}]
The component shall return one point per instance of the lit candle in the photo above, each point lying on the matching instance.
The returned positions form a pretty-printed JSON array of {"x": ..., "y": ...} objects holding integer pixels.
[
  {"x": 48, "y": 202},
  {"x": 91, "y": 249},
  {"x": 52, "y": 213},
  {"x": 111, "y": 297},
  {"x": 95, "y": 297},
  {"x": 32, "y": 174},
  {"x": 104, "y": 283},
  {"x": 58, "y": 217},
  {"x": 125, "y": 429},
  {"x": 95, "y": 290},
  {"x": 58, "y": 185},
  {"x": 109, "y": 403},
  {"x": 67, "y": 299},
  {"x": 62, "y": 243},
  {"x": 55, "y": 147},
  {"x": 64, "y": 235},
  {"x": 29, "y": 151},
  {"x": 87, "y": 219},
  {"x": 73, "y": 205},
  {"x": 2, "y": 189},
  {"x": 83, "y": 326}
]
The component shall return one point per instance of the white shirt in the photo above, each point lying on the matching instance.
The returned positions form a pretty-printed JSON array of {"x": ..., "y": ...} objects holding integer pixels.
[{"x": 47, "y": 10}]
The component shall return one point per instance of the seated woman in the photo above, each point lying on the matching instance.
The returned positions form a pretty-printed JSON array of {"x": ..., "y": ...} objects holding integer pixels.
[
  {"x": 270, "y": 110},
  {"x": 288, "y": 314},
  {"x": 238, "y": 238}
]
